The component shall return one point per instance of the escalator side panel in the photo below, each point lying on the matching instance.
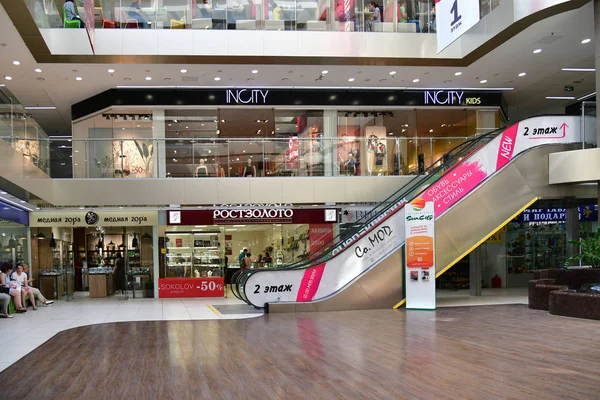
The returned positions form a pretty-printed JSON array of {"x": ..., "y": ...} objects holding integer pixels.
[{"x": 376, "y": 289}]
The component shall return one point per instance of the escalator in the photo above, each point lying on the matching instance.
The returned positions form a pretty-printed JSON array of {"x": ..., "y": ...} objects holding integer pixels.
[{"x": 476, "y": 188}]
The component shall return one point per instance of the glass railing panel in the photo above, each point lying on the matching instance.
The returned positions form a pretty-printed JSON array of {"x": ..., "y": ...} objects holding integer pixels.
[{"x": 210, "y": 158}]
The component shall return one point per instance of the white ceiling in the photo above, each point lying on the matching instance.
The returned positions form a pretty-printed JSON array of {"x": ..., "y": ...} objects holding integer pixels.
[{"x": 559, "y": 37}]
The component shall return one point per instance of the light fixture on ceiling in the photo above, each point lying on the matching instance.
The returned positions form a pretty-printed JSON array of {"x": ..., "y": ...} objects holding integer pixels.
[
  {"x": 146, "y": 236},
  {"x": 560, "y": 98},
  {"x": 522, "y": 74},
  {"x": 537, "y": 51},
  {"x": 38, "y": 70},
  {"x": 579, "y": 69},
  {"x": 111, "y": 71},
  {"x": 586, "y": 41},
  {"x": 483, "y": 81},
  {"x": 392, "y": 73},
  {"x": 40, "y": 236},
  {"x": 183, "y": 70},
  {"x": 17, "y": 62},
  {"x": 458, "y": 73},
  {"x": 351, "y": 80},
  {"x": 255, "y": 71},
  {"x": 78, "y": 78},
  {"x": 148, "y": 78},
  {"x": 40, "y": 108},
  {"x": 217, "y": 78},
  {"x": 8, "y": 78},
  {"x": 324, "y": 72},
  {"x": 416, "y": 80}
]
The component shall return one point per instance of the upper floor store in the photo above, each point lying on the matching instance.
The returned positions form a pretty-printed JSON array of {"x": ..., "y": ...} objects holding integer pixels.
[{"x": 274, "y": 132}]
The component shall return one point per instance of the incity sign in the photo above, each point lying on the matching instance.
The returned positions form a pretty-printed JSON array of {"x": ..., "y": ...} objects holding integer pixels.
[
  {"x": 450, "y": 98},
  {"x": 246, "y": 96}
]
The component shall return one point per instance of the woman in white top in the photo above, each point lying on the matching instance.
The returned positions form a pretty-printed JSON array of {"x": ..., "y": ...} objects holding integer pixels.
[
  {"x": 21, "y": 278},
  {"x": 36, "y": 292}
]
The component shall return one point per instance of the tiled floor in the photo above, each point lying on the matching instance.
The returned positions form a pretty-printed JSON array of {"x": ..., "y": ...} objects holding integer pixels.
[{"x": 35, "y": 327}]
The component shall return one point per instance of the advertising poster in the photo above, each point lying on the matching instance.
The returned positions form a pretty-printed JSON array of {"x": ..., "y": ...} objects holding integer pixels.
[
  {"x": 169, "y": 288},
  {"x": 319, "y": 236},
  {"x": 386, "y": 234},
  {"x": 292, "y": 154},
  {"x": 420, "y": 255}
]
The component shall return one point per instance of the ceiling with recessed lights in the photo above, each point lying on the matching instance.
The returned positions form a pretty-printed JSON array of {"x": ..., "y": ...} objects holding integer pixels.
[{"x": 531, "y": 63}]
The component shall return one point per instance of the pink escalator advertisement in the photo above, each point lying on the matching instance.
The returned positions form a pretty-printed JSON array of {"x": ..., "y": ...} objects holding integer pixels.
[
  {"x": 310, "y": 283},
  {"x": 455, "y": 185}
]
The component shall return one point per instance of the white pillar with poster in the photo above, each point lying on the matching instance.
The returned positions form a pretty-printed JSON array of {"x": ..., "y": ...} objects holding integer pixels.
[{"x": 420, "y": 255}]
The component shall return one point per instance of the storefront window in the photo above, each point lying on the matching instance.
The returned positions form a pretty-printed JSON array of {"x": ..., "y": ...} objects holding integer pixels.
[{"x": 13, "y": 242}]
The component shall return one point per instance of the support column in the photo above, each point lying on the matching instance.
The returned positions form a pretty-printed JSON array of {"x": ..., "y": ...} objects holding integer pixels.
[
  {"x": 330, "y": 142},
  {"x": 572, "y": 227},
  {"x": 475, "y": 272},
  {"x": 159, "y": 170}
]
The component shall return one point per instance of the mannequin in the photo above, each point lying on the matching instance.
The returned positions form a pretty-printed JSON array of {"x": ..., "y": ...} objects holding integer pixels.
[
  {"x": 381, "y": 158},
  {"x": 371, "y": 148},
  {"x": 202, "y": 169},
  {"x": 350, "y": 165},
  {"x": 249, "y": 170}
]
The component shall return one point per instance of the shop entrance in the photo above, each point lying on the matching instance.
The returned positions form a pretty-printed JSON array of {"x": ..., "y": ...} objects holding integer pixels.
[{"x": 114, "y": 261}]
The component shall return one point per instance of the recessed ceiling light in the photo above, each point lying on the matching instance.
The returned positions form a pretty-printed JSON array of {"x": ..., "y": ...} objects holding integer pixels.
[
  {"x": 586, "y": 41},
  {"x": 351, "y": 80},
  {"x": 392, "y": 72},
  {"x": 111, "y": 71},
  {"x": 537, "y": 51},
  {"x": 78, "y": 78},
  {"x": 416, "y": 80},
  {"x": 183, "y": 70},
  {"x": 17, "y": 62},
  {"x": 579, "y": 69},
  {"x": 458, "y": 73},
  {"x": 255, "y": 71},
  {"x": 217, "y": 78},
  {"x": 37, "y": 70},
  {"x": 560, "y": 98},
  {"x": 148, "y": 78},
  {"x": 324, "y": 72},
  {"x": 483, "y": 81},
  {"x": 523, "y": 74},
  {"x": 8, "y": 78}
]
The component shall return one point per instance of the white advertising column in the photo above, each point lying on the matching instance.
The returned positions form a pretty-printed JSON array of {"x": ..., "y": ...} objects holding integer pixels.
[{"x": 420, "y": 255}]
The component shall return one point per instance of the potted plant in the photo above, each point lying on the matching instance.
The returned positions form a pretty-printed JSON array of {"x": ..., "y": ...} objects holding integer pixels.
[
  {"x": 146, "y": 155},
  {"x": 104, "y": 165},
  {"x": 589, "y": 251}
]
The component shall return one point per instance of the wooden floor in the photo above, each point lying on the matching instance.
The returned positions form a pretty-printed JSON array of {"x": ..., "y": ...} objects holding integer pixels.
[{"x": 493, "y": 352}]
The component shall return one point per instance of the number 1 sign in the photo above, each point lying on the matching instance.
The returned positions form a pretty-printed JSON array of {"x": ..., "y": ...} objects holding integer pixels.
[{"x": 453, "y": 18}]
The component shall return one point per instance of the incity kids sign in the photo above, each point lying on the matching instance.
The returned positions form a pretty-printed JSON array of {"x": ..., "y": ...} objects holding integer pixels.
[{"x": 93, "y": 218}]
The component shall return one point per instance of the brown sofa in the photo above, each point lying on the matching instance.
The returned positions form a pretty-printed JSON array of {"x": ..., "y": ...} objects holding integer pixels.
[
  {"x": 560, "y": 286},
  {"x": 569, "y": 303}
]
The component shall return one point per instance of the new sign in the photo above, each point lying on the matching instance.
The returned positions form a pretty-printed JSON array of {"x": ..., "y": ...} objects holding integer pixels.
[
  {"x": 247, "y": 214},
  {"x": 169, "y": 288},
  {"x": 453, "y": 18}
]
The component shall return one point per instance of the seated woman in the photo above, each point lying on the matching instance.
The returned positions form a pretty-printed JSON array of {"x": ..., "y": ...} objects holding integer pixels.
[
  {"x": 36, "y": 292},
  {"x": 135, "y": 12},
  {"x": 71, "y": 13},
  {"x": 10, "y": 288},
  {"x": 5, "y": 299},
  {"x": 21, "y": 277}
]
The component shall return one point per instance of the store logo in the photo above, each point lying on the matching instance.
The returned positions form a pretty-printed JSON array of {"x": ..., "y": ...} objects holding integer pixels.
[
  {"x": 246, "y": 96},
  {"x": 91, "y": 218},
  {"x": 442, "y": 97},
  {"x": 418, "y": 204},
  {"x": 473, "y": 101}
]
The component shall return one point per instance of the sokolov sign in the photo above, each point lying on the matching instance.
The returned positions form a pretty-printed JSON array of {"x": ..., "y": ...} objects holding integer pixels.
[
  {"x": 384, "y": 236},
  {"x": 93, "y": 218}
]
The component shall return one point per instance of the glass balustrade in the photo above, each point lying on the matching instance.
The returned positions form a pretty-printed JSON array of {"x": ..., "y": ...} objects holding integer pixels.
[{"x": 239, "y": 157}]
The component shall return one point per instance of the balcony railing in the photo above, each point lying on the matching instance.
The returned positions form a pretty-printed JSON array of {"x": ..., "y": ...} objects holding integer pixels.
[{"x": 416, "y": 16}]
